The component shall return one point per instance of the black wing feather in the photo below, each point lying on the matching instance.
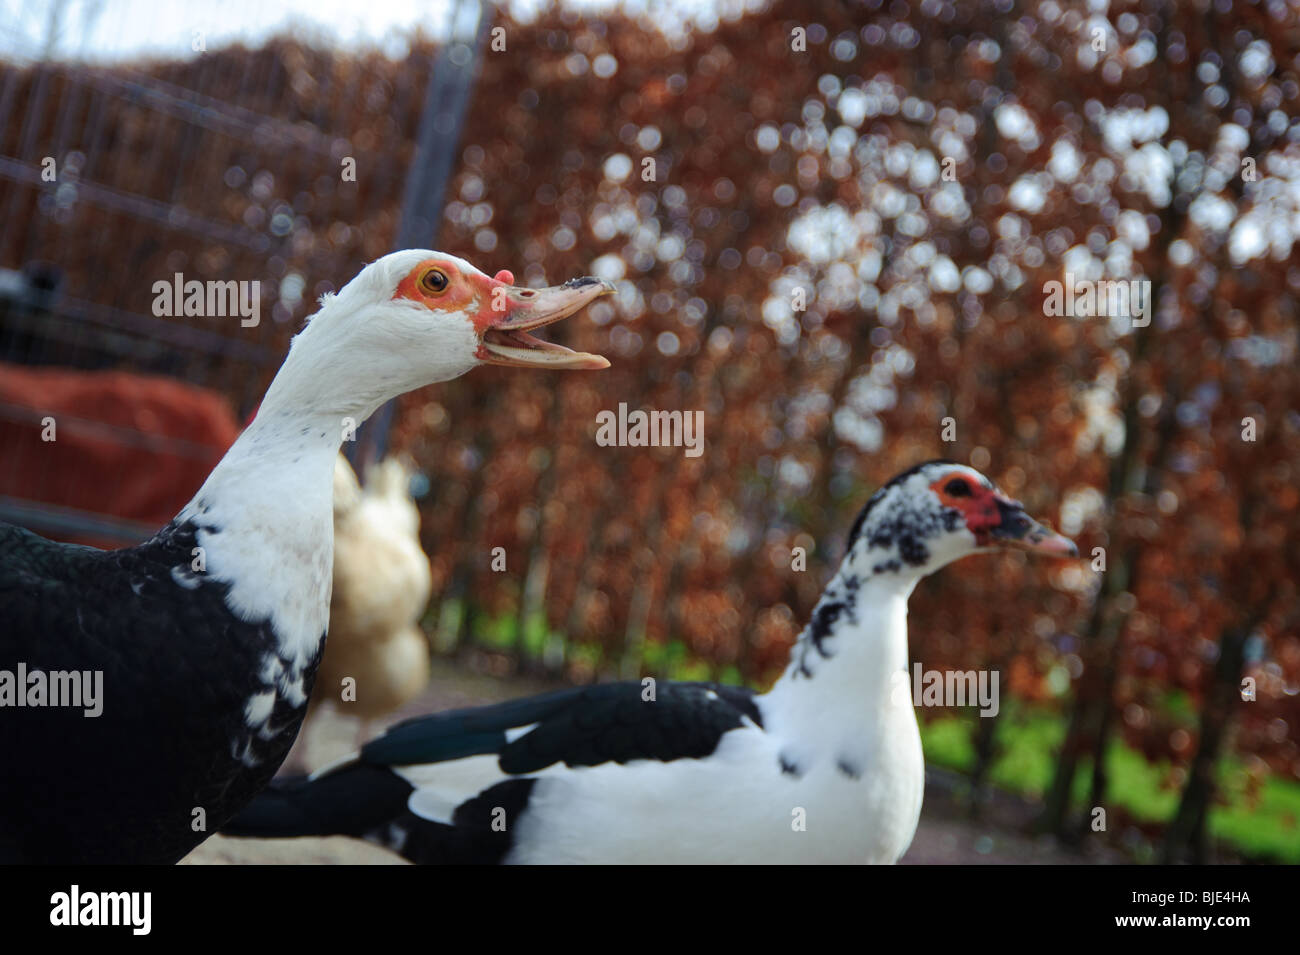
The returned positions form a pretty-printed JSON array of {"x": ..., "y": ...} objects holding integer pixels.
[{"x": 584, "y": 726}]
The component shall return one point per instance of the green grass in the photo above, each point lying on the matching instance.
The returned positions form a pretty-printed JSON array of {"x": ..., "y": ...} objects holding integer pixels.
[
  {"x": 672, "y": 660},
  {"x": 1028, "y": 739},
  {"x": 1256, "y": 829}
]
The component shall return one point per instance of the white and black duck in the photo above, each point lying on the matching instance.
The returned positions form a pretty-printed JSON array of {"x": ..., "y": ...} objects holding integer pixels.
[
  {"x": 207, "y": 636},
  {"x": 824, "y": 767}
]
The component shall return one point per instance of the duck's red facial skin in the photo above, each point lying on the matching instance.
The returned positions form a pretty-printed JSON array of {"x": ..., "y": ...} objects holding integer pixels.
[
  {"x": 470, "y": 293},
  {"x": 995, "y": 519},
  {"x": 503, "y": 313},
  {"x": 978, "y": 504}
]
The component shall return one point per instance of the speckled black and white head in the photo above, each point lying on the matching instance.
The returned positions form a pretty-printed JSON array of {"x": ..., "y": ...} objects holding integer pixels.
[
  {"x": 913, "y": 525},
  {"x": 938, "y": 512}
]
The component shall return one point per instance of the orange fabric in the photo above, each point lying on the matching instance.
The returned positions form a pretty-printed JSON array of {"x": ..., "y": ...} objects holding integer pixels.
[{"x": 127, "y": 470}]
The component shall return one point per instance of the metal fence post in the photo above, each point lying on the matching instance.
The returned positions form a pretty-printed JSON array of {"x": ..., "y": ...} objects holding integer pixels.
[{"x": 450, "y": 85}]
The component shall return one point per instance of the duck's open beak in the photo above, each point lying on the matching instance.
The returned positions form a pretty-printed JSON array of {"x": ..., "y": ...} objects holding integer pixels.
[
  {"x": 1018, "y": 529},
  {"x": 505, "y": 339}
]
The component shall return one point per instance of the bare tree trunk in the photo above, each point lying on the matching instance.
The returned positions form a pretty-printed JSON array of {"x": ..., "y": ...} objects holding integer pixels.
[
  {"x": 1132, "y": 560},
  {"x": 1104, "y": 633},
  {"x": 532, "y": 593},
  {"x": 1187, "y": 838},
  {"x": 1101, "y": 634},
  {"x": 986, "y": 733},
  {"x": 986, "y": 751},
  {"x": 453, "y": 635},
  {"x": 585, "y": 587},
  {"x": 532, "y": 596}
]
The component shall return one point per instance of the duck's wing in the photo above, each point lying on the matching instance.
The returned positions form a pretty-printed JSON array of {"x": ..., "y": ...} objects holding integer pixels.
[{"x": 430, "y": 785}]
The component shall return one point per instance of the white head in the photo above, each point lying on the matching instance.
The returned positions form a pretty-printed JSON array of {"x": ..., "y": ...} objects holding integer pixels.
[
  {"x": 936, "y": 513},
  {"x": 416, "y": 317}
]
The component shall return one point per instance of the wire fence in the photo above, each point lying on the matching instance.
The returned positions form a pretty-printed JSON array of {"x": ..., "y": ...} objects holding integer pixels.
[{"x": 229, "y": 166}]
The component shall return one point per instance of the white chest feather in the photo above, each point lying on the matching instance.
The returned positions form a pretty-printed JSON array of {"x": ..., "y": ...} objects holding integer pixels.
[
  {"x": 736, "y": 806},
  {"x": 283, "y": 576},
  {"x": 266, "y": 530},
  {"x": 836, "y": 774}
]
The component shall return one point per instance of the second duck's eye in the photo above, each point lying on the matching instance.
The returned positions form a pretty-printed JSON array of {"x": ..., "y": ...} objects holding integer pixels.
[
  {"x": 957, "y": 487},
  {"x": 433, "y": 281}
]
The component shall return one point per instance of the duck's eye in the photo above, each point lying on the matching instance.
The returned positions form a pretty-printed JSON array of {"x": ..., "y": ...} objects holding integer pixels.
[
  {"x": 433, "y": 281},
  {"x": 957, "y": 487}
]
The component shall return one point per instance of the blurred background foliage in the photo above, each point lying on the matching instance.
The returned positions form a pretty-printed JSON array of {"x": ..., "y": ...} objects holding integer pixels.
[{"x": 920, "y": 171}]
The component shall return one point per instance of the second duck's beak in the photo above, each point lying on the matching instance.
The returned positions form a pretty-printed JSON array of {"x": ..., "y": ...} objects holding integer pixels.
[{"x": 1017, "y": 529}]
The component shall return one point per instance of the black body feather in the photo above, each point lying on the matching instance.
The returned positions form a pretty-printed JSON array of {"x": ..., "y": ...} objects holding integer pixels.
[{"x": 178, "y": 670}]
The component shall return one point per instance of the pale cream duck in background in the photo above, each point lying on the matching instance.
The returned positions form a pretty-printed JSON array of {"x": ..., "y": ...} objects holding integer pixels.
[{"x": 377, "y": 657}]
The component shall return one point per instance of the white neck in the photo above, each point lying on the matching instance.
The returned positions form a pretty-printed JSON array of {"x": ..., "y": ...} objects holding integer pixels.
[
  {"x": 334, "y": 378},
  {"x": 266, "y": 519},
  {"x": 848, "y": 667},
  {"x": 265, "y": 515}
]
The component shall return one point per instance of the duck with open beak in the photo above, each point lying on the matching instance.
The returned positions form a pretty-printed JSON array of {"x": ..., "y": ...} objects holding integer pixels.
[{"x": 512, "y": 312}]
